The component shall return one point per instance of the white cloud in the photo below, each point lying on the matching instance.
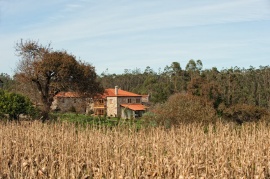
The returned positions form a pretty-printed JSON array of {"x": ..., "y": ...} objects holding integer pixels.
[{"x": 112, "y": 20}]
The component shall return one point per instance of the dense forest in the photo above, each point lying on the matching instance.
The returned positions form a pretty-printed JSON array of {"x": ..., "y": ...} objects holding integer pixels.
[
  {"x": 231, "y": 92},
  {"x": 227, "y": 86}
]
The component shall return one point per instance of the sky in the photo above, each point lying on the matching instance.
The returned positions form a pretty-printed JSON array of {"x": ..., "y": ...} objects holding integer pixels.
[{"x": 130, "y": 34}]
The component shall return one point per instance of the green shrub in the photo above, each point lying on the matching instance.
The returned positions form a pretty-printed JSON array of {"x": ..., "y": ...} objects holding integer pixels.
[
  {"x": 184, "y": 108},
  {"x": 15, "y": 104},
  {"x": 2, "y": 116}
]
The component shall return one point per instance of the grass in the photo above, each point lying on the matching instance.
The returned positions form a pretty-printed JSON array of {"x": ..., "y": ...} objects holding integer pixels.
[
  {"x": 87, "y": 120},
  {"x": 64, "y": 150}
]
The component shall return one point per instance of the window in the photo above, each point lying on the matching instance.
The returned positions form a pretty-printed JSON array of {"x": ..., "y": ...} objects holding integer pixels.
[
  {"x": 101, "y": 101},
  {"x": 129, "y": 100},
  {"x": 138, "y": 114},
  {"x": 75, "y": 100},
  {"x": 99, "y": 112},
  {"x": 138, "y": 100},
  {"x": 63, "y": 100}
]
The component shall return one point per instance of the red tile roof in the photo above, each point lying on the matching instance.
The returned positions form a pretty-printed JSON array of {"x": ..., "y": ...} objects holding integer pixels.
[
  {"x": 108, "y": 92},
  {"x": 135, "y": 107},
  {"x": 68, "y": 95},
  {"x": 111, "y": 92}
]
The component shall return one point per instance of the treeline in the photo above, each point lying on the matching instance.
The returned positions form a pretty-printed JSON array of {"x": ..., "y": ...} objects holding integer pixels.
[
  {"x": 228, "y": 86},
  {"x": 234, "y": 92},
  {"x": 159, "y": 85},
  {"x": 226, "y": 89}
]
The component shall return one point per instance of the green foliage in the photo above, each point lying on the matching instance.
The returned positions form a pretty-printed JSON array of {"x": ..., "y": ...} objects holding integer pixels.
[
  {"x": 15, "y": 104},
  {"x": 6, "y": 82},
  {"x": 102, "y": 121},
  {"x": 235, "y": 94},
  {"x": 227, "y": 87},
  {"x": 149, "y": 119},
  {"x": 184, "y": 108}
]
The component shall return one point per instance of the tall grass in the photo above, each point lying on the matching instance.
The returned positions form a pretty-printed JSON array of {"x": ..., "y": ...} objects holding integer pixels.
[{"x": 61, "y": 150}]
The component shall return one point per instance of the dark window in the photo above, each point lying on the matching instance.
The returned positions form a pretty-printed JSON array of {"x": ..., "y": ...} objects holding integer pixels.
[
  {"x": 129, "y": 100},
  {"x": 101, "y": 101},
  {"x": 138, "y": 100},
  {"x": 138, "y": 114}
]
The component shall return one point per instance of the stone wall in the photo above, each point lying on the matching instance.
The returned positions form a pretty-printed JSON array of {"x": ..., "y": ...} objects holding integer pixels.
[
  {"x": 69, "y": 104},
  {"x": 112, "y": 106}
]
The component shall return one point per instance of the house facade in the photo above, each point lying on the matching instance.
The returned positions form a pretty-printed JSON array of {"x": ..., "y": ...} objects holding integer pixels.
[{"x": 119, "y": 103}]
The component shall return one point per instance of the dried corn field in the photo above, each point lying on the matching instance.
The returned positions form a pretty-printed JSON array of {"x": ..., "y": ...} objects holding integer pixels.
[{"x": 36, "y": 150}]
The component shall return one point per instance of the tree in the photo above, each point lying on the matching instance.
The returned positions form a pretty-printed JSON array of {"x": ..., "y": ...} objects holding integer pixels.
[
  {"x": 7, "y": 82},
  {"x": 27, "y": 89},
  {"x": 191, "y": 65},
  {"x": 54, "y": 71},
  {"x": 176, "y": 74},
  {"x": 184, "y": 108},
  {"x": 199, "y": 65},
  {"x": 15, "y": 104}
]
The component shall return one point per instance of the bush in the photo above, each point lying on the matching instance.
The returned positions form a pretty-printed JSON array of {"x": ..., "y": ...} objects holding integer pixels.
[
  {"x": 184, "y": 108},
  {"x": 15, "y": 104},
  {"x": 244, "y": 113},
  {"x": 2, "y": 116}
]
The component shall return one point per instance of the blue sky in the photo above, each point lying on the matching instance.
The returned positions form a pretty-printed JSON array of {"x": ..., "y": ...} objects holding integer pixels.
[{"x": 129, "y": 34}]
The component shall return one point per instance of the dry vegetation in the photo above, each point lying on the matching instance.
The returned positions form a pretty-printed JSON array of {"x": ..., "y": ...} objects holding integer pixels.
[{"x": 36, "y": 150}]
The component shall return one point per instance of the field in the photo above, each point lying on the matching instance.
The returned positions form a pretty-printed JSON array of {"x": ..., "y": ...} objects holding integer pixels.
[{"x": 62, "y": 150}]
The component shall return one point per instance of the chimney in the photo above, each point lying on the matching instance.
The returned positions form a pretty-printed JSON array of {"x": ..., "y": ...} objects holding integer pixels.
[{"x": 116, "y": 90}]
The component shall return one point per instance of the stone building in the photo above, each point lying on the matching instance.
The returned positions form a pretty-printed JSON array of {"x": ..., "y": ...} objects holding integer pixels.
[
  {"x": 119, "y": 103},
  {"x": 114, "y": 102},
  {"x": 69, "y": 102}
]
